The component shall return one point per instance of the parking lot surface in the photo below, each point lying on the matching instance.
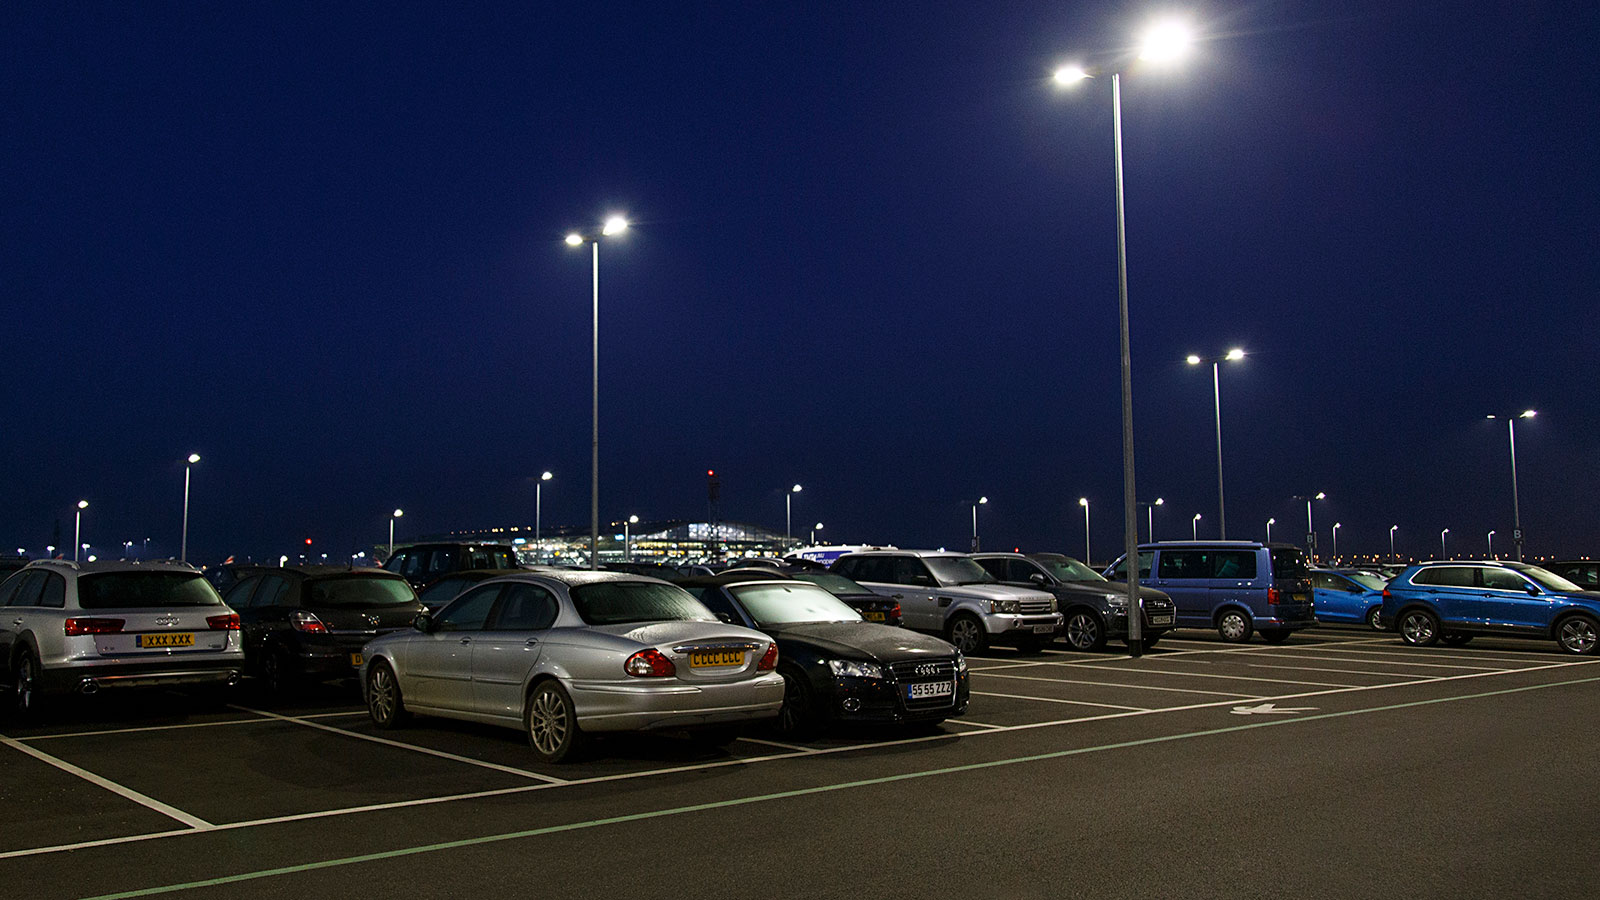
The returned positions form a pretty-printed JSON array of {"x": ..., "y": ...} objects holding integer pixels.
[{"x": 1339, "y": 764}]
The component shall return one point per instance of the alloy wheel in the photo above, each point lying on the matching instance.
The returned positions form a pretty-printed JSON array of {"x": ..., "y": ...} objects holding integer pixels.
[
  {"x": 380, "y": 695},
  {"x": 548, "y": 722},
  {"x": 1417, "y": 628},
  {"x": 1232, "y": 626},
  {"x": 1083, "y": 632},
  {"x": 1372, "y": 618},
  {"x": 1578, "y": 635},
  {"x": 26, "y": 685},
  {"x": 964, "y": 634}
]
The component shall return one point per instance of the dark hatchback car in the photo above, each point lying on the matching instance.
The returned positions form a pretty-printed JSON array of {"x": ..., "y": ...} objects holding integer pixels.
[
  {"x": 1092, "y": 608},
  {"x": 422, "y": 563},
  {"x": 836, "y": 667},
  {"x": 310, "y": 623},
  {"x": 441, "y": 591},
  {"x": 1584, "y": 573}
]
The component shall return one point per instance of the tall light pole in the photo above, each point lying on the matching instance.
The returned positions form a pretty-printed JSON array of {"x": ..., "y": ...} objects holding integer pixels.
[
  {"x": 1443, "y": 553},
  {"x": 77, "y": 528},
  {"x": 788, "y": 512},
  {"x": 1270, "y": 523},
  {"x": 183, "y": 543},
  {"x": 1216, "y": 394},
  {"x": 627, "y": 538},
  {"x": 1336, "y": 542},
  {"x": 1166, "y": 42},
  {"x": 814, "y": 529},
  {"x": 538, "y": 516},
  {"x": 613, "y": 226},
  {"x": 392, "y": 516},
  {"x": 1194, "y": 526},
  {"x": 975, "y": 504},
  {"x": 1150, "y": 516},
  {"x": 1491, "y": 543},
  {"x": 1311, "y": 531},
  {"x": 1516, "y": 509},
  {"x": 1087, "y": 555},
  {"x": 1393, "y": 557}
]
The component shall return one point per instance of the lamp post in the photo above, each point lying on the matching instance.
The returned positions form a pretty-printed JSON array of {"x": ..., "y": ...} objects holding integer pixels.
[
  {"x": 977, "y": 503},
  {"x": 1165, "y": 43},
  {"x": 1270, "y": 523},
  {"x": 183, "y": 543},
  {"x": 788, "y": 512},
  {"x": 613, "y": 226},
  {"x": 1491, "y": 543},
  {"x": 1150, "y": 517},
  {"x": 1087, "y": 555},
  {"x": 1311, "y": 531},
  {"x": 1516, "y": 509},
  {"x": 1194, "y": 526},
  {"x": 627, "y": 538},
  {"x": 1216, "y": 394},
  {"x": 814, "y": 529},
  {"x": 538, "y": 516},
  {"x": 1443, "y": 553},
  {"x": 1392, "y": 556},
  {"x": 392, "y": 516},
  {"x": 1336, "y": 542},
  {"x": 77, "y": 529}
]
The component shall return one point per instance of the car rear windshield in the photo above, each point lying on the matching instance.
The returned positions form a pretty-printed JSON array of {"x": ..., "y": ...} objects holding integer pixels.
[
  {"x": 1368, "y": 580},
  {"x": 134, "y": 590},
  {"x": 359, "y": 590},
  {"x": 1289, "y": 562},
  {"x": 833, "y": 584},
  {"x": 622, "y": 602},
  {"x": 788, "y": 604}
]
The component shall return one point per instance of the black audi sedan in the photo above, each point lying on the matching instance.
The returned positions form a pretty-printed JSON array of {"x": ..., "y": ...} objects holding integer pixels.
[
  {"x": 310, "y": 623},
  {"x": 836, "y": 667}
]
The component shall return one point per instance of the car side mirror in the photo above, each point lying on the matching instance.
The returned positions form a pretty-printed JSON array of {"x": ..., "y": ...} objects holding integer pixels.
[
  {"x": 423, "y": 623},
  {"x": 1039, "y": 579},
  {"x": 725, "y": 618},
  {"x": 1533, "y": 590}
]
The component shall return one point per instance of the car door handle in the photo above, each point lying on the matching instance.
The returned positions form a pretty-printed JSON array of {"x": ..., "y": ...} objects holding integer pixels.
[
  {"x": 17, "y": 622},
  {"x": 466, "y": 640},
  {"x": 532, "y": 641}
]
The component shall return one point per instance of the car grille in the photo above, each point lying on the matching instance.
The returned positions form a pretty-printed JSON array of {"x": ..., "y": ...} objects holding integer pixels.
[
  {"x": 1035, "y": 607},
  {"x": 1154, "y": 604},
  {"x": 918, "y": 671}
]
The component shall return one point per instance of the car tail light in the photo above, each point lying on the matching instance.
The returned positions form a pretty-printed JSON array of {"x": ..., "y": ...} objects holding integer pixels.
[
  {"x": 93, "y": 626},
  {"x": 229, "y": 622},
  {"x": 1273, "y": 596},
  {"x": 1385, "y": 593},
  {"x": 895, "y": 612},
  {"x": 301, "y": 620},
  {"x": 769, "y": 659},
  {"x": 650, "y": 663}
]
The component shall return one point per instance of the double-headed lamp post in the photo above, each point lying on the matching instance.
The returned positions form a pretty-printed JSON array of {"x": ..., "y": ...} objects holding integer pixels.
[
  {"x": 77, "y": 529},
  {"x": 1087, "y": 554},
  {"x": 613, "y": 226},
  {"x": 1270, "y": 523},
  {"x": 538, "y": 516},
  {"x": 183, "y": 543},
  {"x": 1516, "y": 509},
  {"x": 392, "y": 516},
  {"x": 1392, "y": 556},
  {"x": 788, "y": 512},
  {"x": 975, "y": 504},
  {"x": 1165, "y": 43},
  {"x": 1311, "y": 530},
  {"x": 1233, "y": 355}
]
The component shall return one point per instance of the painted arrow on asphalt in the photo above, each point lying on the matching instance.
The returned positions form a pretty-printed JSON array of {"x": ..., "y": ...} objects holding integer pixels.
[{"x": 1267, "y": 708}]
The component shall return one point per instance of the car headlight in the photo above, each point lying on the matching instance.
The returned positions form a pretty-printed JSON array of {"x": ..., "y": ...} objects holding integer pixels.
[
  {"x": 1117, "y": 601},
  {"x": 848, "y": 668},
  {"x": 1005, "y": 606},
  {"x": 961, "y": 663}
]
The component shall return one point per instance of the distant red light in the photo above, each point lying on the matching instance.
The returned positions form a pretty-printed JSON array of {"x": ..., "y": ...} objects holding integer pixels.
[
  {"x": 308, "y": 542},
  {"x": 711, "y": 472}
]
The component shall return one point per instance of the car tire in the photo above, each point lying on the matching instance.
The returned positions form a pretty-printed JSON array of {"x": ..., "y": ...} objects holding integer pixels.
[
  {"x": 1275, "y": 635},
  {"x": 277, "y": 670},
  {"x": 1578, "y": 634},
  {"x": 1234, "y": 626},
  {"x": 385, "y": 705},
  {"x": 797, "y": 718},
  {"x": 1455, "y": 640},
  {"x": 25, "y": 695},
  {"x": 967, "y": 633},
  {"x": 1373, "y": 615},
  {"x": 1083, "y": 632},
  {"x": 1418, "y": 627},
  {"x": 551, "y": 723}
]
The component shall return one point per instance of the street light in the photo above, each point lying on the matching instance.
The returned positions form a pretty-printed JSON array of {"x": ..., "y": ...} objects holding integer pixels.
[
  {"x": 77, "y": 529},
  {"x": 1194, "y": 527},
  {"x": 627, "y": 538},
  {"x": 1516, "y": 509},
  {"x": 1167, "y": 42},
  {"x": 1087, "y": 556},
  {"x": 1311, "y": 531},
  {"x": 814, "y": 529},
  {"x": 392, "y": 516},
  {"x": 1443, "y": 553},
  {"x": 979, "y": 502},
  {"x": 1336, "y": 542},
  {"x": 1393, "y": 557},
  {"x": 1233, "y": 355},
  {"x": 1150, "y": 516},
  {"x": 538, "y": 515},
  {"x": 1491, "y": 543},
  {"x": 788, "y": 511},
  {"x": 613, "y": 226},
  {"x": 1270, "y": 523},
  {"x": 183, "y": 544}
]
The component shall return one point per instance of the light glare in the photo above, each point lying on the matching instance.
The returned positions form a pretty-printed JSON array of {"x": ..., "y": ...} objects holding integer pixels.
[
  {"x": 398, "y": 513},
  {"x": 614, "y": 225},
  {"x": 1528, "y": 414},
  {"x": 1235, "y": 353},
  {"x": 1083, "y": 501},
  {"x": 1193, "y": 360},
  {"x": 1165, "y": 42},
  {"x": 194, "y": 457},
  {"x": 574, "y": 239},
  {"x": 1070, "y": 74},
  {"x": 546, "y": 477}
]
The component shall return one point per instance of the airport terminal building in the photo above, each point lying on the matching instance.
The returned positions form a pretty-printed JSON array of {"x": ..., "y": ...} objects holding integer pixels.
[{"x": 671, "y": 542}]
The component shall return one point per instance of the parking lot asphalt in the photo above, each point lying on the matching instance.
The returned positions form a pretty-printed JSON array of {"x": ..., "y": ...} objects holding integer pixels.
[{"x": 1339, "y": 764}]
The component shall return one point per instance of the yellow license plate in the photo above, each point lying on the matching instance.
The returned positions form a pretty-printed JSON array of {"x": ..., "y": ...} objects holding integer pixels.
[
  {"x": 169, "y": 639},
  {"x": 873, "y": 616},
  {"x": 356, "y": 659},
  {"x": 714, "y": 658}
]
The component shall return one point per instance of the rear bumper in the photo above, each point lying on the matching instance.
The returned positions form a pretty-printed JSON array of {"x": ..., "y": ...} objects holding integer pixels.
[
  {"x": 1285, "y": 623},
  {"x": 90, "y": 679},
  {"x": 611, "y": 706}
]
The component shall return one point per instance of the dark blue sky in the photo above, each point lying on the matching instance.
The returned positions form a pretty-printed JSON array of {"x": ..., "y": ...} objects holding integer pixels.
[{"x": 874, "y": 253}]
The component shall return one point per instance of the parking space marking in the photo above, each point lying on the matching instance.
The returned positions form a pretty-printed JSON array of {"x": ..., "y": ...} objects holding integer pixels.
[
  {"x": 251, "y": 721},
  {"x": 510, "y": 770},
  {"x": 194, "y": 822},
  {"x": 1343, "y": 671},
  {"x": 1136, "y": 687},
  {"x": 976, "y": 724},
  {"x": 805, "y": 792},
  {"x": 1396, "y": 662},
  {"x": 1059, "y": 700},
  {"x": 779, "y": 744},
  {"x": 1171, "y": 674},
  {"x": 1426, "y": 653}
]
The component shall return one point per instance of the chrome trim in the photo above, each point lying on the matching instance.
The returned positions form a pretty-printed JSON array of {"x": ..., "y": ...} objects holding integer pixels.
[{"x": 729, "y": 645}]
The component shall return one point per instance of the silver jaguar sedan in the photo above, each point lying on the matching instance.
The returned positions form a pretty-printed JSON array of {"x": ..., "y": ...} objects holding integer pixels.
[{"x": 562, "y": 654}]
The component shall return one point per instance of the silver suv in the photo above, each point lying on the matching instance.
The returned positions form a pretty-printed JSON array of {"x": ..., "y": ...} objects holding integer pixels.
[
  {"x": 68, "y": 626},
  {"x": 950, "y": 594}
]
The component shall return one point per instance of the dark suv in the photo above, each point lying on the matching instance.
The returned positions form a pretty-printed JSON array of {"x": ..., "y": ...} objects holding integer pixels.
[
  {"x": 1237, "y": 587},
  {"x": 1092, "y": 608},
  {"x": 310, "y": 623},
  {"x": 422, "y": 563}
]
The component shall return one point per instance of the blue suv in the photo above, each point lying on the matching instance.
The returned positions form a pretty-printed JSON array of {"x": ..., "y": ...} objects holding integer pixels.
[
  {"x": 1237, "y": 587},
  {"x": 1347, "y": 595},
  {"x": 1454, "y": 601}
]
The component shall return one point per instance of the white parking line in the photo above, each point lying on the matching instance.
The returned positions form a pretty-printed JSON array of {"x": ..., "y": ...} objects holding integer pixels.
[
  {"x": 1136, "y": 687},
  {"x": 257, "y": 720},
  {"x": 1059, "y": 700},
  {"x": 194, "y": 822},
  {"x": 1342, "y": 671},
  {"x": 1428, "y": 653},
  {"x": 549, "y": 779},
  {"x": 780, "y": 745},
  {"x": 976, "y": 724},
  {"x": 1388, "y": 662},
  {"x": 1171, "y": 674}
]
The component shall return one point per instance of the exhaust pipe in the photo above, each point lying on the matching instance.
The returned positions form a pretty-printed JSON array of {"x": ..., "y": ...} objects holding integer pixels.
[{"x": 88, "y": 686}]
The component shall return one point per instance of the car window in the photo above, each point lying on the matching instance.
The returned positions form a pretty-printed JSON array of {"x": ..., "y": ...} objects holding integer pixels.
[
  {"x": 28, "y": 592},
  {"x": 8, "y": 590},
  {"x": 1549, "y": 580},
  {"x": 714, "y": 600},
  {"x": 470, "y": 611},
  {"x": 1183, "y": 564},
  {"x": 875, "y": 568},
  {"x": 1065, "y": 568},
  {"x": 1240, "y": 564},
  {"x": 952, "y": 570},
  {"x": 1325, "y": 581},
  {"x": 832, "y": 583},
  {"x": 238, "y": 596},
  {"x": 360, "y": 590},
  {"x": 440, "y": 561},
  {"x": 1446, "y": 576},
  {"x": 1120, "y": 573},
  {"x": 411, "y": 565},
  {"x": 1368, "y": 580},
  {"x": 442, "y": 591},
  {"x": 995, "y": 567},
  {"x": 525, "y": 607},
  {"x": 1287, "y": 562},
  {"x": 397, "y": 561},
  {"x": 55, "y": 592},
  {"x": 132, "y": 590},
  {"x": 274, "y": 591},
  {"x": 1502, "y": 580},
  {"x": 626, "y": 602}
]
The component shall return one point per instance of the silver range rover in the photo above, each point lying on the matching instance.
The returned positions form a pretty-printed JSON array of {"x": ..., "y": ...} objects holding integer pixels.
[{"x": 951, "y": 595}]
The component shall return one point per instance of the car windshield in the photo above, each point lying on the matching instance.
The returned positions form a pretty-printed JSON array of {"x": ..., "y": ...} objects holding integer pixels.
[
  {"x": 360, "y": 590},
  {"x": 134, "y": 590},
  {"x": 622, "y": 602},
  {"x": 1550, "y": 581},
  {"x": 789, "y": 604},
  {"x": 1368, "y": 580},
  {"x": 1065, "y": 568},
  {"x": 833, "y": 584},
  {"x": 957, "y": 570}
]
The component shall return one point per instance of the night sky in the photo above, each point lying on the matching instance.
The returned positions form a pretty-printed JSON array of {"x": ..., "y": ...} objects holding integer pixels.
[{"x": 873, "y": 253}]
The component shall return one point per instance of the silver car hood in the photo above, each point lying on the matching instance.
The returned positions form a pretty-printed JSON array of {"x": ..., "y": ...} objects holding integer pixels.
[{"x": 995, "y": 592}]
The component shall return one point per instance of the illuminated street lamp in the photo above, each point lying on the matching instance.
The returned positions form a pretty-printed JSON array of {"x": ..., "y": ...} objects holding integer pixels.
[
  {"x": 1311, "y": 531},
  {"x": 1084, "y": 502},
  {"x": 613, "y": 226},
  {"x": 1491, "y": 543},
  {"x": 788, "y": 511},
  {"x": 977, "y": 503},
  {"x": 814, "y": 529},
  {"x": 183, "y": 544},
  {"x": 1336, "y": 541},
  {"x": 627, "y": 538},
  {"x": 1194, "y": 526},
  {"x": 1392, "y": 556},
  {"x": 538, "y": 514},
  {"x": 77, "y": 529},
  {"x": 1516, "y": 509},
  {"x": 1443, "y": 553},
  {"x": 392, "y": 516},
  {"x": 1270, "y": 523},
  {"x": 1150, "y": 517},
  {"x": 1233, "y": 355},
  {"x": 1165, "y": 43}
]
